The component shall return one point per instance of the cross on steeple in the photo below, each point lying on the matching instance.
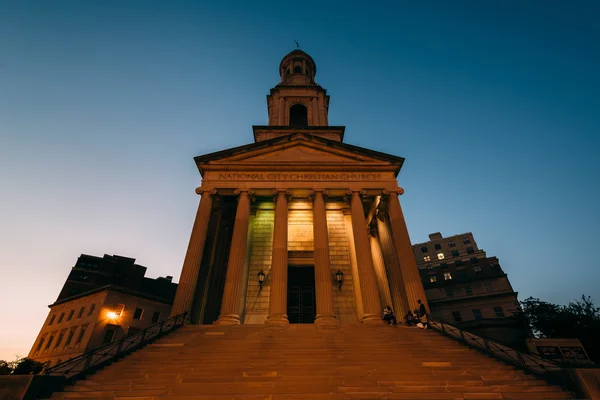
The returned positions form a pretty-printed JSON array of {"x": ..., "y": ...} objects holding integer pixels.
[{"x": 297, "y": 44}]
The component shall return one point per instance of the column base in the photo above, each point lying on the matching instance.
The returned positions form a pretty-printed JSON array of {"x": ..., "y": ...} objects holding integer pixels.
[
  {"x": 373, "y": 319},
  {"x": 229, "y": 319},
  {"x": 324, "y": 319},
  {"x": 281, "y": 319}
]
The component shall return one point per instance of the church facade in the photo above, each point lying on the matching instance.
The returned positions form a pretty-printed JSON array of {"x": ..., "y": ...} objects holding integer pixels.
[{"x": 298, "y": 227}]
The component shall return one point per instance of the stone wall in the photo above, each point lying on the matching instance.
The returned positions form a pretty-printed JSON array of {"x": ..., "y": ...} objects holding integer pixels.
[{"x": 300, "y": 240}]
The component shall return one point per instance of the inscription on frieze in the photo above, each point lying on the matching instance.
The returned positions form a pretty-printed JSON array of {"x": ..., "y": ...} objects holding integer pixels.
[{"x": 299, "y": 177}]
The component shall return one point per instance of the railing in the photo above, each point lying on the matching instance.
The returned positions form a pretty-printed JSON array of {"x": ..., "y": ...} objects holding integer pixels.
[
  {"x": 548, "y": 370},
  {"x": 90, "y": 361}
]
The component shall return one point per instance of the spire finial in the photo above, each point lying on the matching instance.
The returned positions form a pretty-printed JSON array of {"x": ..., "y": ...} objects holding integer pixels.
[{"x": 297, "y": 44}]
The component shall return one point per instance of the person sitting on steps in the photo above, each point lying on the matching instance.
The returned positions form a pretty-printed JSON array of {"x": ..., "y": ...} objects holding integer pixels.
[
  {"x": 388, "y": 315},
  {"x": 409, "y": 318},
  {"x": 423, "y": 314}
]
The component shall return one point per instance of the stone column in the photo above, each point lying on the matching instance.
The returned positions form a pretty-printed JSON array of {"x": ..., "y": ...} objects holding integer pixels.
[
  {"x": 368, "y": 281},
  {"x": 323, "y": 277},
  {"x": 281, "y": 111},
  {"x": 408, "y": 264},
  {"x": 188, "y": 279},
  {"x": 230, "y": 305},
  {"x": 279, "y": 262},
  {"x": 380, "y": 270},
  {"x": 315, "y": 113},
  {"x": 353, "y": 264},
  {"x": 397, "y": 290}
]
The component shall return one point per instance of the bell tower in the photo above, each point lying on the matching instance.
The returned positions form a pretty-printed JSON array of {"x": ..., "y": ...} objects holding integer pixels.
[{"x": 297, "y": 103}]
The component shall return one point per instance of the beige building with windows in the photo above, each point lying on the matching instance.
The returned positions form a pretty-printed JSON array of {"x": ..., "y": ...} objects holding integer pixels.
[
  {"x": 118, "y": 300},
  {"x": 467, "y": 288},
  {"x": 319, "y": 219}
]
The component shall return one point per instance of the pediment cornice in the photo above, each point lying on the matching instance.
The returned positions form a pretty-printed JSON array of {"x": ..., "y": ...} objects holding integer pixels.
[{"x": 299, "y": 150}]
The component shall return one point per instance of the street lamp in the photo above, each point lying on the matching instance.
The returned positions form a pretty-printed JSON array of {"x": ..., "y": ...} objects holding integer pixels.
[
  {"x": 339, "y": 277},
  {"x": 261, "y": 278}
]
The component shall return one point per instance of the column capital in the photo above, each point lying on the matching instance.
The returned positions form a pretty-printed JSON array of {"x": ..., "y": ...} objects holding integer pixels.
[
  {"x": 399, "y": 191},
  {"x": 249, "y": 192},
  {"x": 286, "y": 192},
  {"x": 361, "y": 192},
  {"x": 312, "y": 192},
  {"x": 200, "y": 190}
]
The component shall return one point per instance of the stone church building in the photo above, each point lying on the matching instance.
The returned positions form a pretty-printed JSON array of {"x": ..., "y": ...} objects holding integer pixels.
[{"x": 298, "y": 227}]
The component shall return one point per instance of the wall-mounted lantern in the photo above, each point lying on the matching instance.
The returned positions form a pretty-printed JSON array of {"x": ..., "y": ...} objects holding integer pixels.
[
  {"x": 261, "y": 278},
  {"x": 339, "y": 277}
]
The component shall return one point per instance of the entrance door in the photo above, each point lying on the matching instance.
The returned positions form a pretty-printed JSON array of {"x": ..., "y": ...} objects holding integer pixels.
[{"x": 301, "y": 300}]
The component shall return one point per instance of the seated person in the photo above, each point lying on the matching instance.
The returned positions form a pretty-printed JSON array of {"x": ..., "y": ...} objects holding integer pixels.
[
  {"x": 388, "y": 315},
  {"x": 409, "y": 318}
]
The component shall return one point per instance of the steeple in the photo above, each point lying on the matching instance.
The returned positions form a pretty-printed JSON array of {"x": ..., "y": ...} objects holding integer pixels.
[
  {"x": 298, "y": 100},
  {"x": 297, "y": 103}
]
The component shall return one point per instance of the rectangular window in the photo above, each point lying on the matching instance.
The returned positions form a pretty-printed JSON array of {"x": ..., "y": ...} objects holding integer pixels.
[
  {"x": 59, "y": 340},
  {"x": 449, "y": 292},
  {"x": 50, "y": 341},
  {"x": 488, "y": 286},
  {"x": 108, "y": 336},
  {"x": 424, "y": 249},
  {"x": 138, "y": 313},
  {"x": 62, "y": 315},
  {"x": 119, "y": 309},
  {"x": 91, "y": 309},
  {"x": 477, "y": 269},
  {"x": 454, "y": 253},
  {"x": 426, "y": 258},
  {"x": 468, "y": 290},
  {"x": 155, "y": 316},
  {"x": 52, "y": 319},
  {"x": 456, "y": 316},
  {"x": 477, "y": 313},
  {"x": 443, "y": 266},
  {"x": 440, "y": 256},
  {"x": 458, "y": 263},
  {"x": 432, "y": 278},
  {"x": 70, "y": 315},
  {"x": 437, "y": 246},
  {"x": 451, "y": 243},
  {"x": 466, "y": 240},
  {"x": 80, "y": 313},
  {"x": 499, "y": 312},
  {"x": 470, "y": 250},
  {"x": 474, "y": 260},
  {"x": 447, "y": 276},
  {"x": 41, "y": 343},
  {"x": 70, "y": 337},
  {"x": 81, "y": 334}
]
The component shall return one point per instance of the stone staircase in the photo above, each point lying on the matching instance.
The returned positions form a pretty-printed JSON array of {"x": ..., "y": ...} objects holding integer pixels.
[{"x": 309, "y": 362}]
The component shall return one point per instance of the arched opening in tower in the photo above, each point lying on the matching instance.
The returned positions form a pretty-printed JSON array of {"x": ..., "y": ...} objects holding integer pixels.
[{"x": 298, "y": 115}]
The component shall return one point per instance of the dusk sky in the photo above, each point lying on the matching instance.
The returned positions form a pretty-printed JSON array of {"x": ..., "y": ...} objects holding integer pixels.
[{"x": 103, "y": 104}]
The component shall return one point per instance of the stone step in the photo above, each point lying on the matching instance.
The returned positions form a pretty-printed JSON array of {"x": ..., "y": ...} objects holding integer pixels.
[{"x": 308, "y": 362}]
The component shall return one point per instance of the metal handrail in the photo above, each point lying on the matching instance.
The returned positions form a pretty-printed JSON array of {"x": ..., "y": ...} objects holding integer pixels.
[
  {"x": 87, "y": 362},
  {"x": 533, "y": 363}
]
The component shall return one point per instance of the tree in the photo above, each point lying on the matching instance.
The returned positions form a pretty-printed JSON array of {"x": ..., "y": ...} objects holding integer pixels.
[
  {"x": 21, "y": 366},
  {"x": 579, "y": 319}
]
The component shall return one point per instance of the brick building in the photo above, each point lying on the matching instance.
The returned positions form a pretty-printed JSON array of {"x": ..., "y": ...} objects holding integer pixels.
[
  {"x": 469, "y": 289},
  {"x": 103, "y": 299}
]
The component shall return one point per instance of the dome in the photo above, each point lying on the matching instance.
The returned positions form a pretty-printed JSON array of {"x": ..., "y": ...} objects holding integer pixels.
[{"x": 297, "y": 62}]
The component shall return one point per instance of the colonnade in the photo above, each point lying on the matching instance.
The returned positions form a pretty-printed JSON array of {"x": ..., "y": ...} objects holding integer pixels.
[{"x": 402, "y": 273}]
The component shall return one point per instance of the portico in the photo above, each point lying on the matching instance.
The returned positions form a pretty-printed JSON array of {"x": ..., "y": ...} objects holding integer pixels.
[{"x": 298, "y": 197}]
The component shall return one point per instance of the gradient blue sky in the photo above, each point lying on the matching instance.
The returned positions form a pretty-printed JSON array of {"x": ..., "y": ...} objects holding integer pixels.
[{"x": 103, "y": 104}]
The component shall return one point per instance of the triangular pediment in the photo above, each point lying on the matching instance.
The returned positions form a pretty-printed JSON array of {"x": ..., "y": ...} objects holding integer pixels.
[
  {"x": 301, "y": 153},
  {"x": 299, "y": 149}
]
